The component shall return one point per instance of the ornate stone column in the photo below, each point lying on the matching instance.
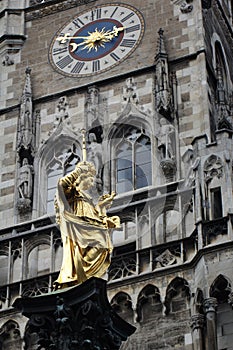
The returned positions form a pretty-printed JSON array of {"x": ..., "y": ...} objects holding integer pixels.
[
  {"x": 210, "y": 305},
  {"x": 197, "y": 325}
]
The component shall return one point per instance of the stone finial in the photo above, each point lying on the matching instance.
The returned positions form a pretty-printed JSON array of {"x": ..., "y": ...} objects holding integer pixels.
[{"x": 160, "y": 43}]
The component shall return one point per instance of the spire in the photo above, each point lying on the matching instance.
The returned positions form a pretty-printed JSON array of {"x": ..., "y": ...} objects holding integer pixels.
[
  {"x": 161, "y": 51},
  {"x": 25, "y": 127}
]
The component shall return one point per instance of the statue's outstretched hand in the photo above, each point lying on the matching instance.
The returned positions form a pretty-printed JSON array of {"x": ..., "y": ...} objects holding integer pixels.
[{"x": 106, "y": 200}]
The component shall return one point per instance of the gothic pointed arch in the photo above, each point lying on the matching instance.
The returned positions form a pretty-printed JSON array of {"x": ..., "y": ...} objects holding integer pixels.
[
  {"x": 177, "y": 295},
  {"x": 130, "y": 142},
  {"x": 221, "y": 288},
  {"x": 57, "y": 156},
  {"x": 149, "y": 305},
  {"x": 213, "y": 176},
  {"x": 122, "y": 304},
  {"x": 198, "y": 302}
]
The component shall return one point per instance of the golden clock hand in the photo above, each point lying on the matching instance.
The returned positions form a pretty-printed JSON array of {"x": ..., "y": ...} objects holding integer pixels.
[
  {"x": 67, "y": 36},
  {"x": 107, "y": 34}
]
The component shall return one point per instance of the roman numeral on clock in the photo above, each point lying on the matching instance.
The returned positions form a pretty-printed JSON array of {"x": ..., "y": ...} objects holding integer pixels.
[
  {"x": 78, "y": 67},
  {"x": 59, "y": 50},
  {"x": 114, "y": 12},
  {"x": 96, "y": 66},
  {"x": 132, "y": 29},
  {"x": 96, "y": 14},
  {"x": 127, "y": 17},
  {"x": 128, "y": 42},
  {"x": 114, "y": 56},
  {"x": 65, "y": 61},
  {"x": 78, "y": 23}
]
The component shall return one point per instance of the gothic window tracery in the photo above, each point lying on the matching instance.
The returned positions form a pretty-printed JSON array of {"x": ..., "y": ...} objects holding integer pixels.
[{"x": 133, "y": 163}]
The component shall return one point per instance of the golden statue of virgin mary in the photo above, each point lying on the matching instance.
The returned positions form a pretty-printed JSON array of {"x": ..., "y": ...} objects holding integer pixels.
[{"x": 85, "y": 227}]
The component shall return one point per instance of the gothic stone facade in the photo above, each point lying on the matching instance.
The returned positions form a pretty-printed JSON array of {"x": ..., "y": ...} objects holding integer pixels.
[{"x": 159, "y": 130}]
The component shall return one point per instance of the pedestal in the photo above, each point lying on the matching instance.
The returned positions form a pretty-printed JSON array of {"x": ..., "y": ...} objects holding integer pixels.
[{"x": 76, "y": 318}]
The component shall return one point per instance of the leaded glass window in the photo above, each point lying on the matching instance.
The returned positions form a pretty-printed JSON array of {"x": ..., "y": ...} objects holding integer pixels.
[{"x": 133, "y": 164}]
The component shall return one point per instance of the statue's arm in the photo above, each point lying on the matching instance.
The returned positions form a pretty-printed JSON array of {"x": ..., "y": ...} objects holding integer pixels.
[{"x": 68, "y": 180}]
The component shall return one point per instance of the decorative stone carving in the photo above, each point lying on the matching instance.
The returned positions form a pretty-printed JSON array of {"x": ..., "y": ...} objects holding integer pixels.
[
  {"x": 24, "y": 185},
  {"x": 163, "y": 88},
  {"x": 25, "y": 125},
  {"x": 35, "y": 288},
  {"x": 197, "y": 321},
  {"x": 123, "y": 267},
  {"x": 62, "y": 114},
  {"x": 130, "y": 92},
  {"x": 223, "y": 103},
  {"x": 166, "y": 259},
  {"x": 92, "y": 105},
  {"x": 166, "y": 140},
  {"x": 210, "y": 304},
  {"x": 94, "y": 155},
  {"x": 213, "y": 167},
  {"x": 165, "y": 144},
  {"x": 7, "y": 61},
  {"x": 77, "y": 318},
  {"x": 186, "y": 7}
]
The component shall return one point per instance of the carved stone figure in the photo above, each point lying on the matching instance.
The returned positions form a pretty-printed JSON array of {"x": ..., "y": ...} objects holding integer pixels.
[
  {"x": 94, "y": 151},
  {"x": 25, "y": 180},
  {"x": 164, "y": 139},
  {"x": 85, "y": 227}
]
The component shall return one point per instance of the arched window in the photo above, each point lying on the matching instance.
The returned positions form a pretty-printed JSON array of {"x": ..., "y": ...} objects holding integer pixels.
[
  {"x": 221, "y": 289},
  {"x": 133, "y": 163}
]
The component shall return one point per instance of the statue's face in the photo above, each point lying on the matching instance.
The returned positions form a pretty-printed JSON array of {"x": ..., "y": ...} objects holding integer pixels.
[{"x": 87, "y": 183}]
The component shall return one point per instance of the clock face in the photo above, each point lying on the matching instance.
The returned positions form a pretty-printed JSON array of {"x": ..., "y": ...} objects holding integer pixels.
[{"x": 96, "y": 40}]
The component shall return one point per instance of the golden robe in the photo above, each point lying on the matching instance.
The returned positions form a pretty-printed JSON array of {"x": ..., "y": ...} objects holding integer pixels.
[{"x": 85, "y": 235}]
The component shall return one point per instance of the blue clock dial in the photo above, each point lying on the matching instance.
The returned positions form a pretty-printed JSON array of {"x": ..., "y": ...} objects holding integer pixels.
[
  {"x": 96, "y": 40},
  {"x": 83, "y": 53}
]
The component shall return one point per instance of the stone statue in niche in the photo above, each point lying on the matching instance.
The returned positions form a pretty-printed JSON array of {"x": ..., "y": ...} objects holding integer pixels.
[
  {"x": 62, "y": 111},
  {"x": 25, "y": 182},
  {"x": 7, "y": 61},
  {"x": 94, "y": 152},
  {"x": 166, "y": 131}
]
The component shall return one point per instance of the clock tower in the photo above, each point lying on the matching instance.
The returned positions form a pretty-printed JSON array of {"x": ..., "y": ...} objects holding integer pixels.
[{"x": 150, "y": 82}]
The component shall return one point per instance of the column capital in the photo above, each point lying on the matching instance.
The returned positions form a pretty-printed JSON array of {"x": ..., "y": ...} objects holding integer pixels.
[
  {"x": 197, "y": 321},
  {"x": 210, "y": 304}
]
